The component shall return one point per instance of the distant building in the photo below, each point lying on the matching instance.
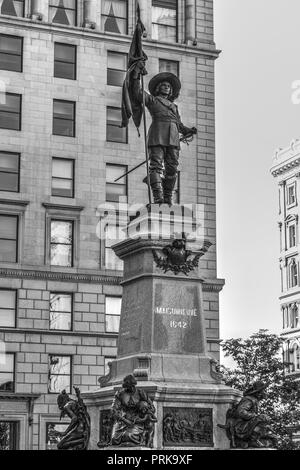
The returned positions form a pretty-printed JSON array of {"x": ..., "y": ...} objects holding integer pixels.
[
  {"x": 62, "y": 66},
  {"x": 286, "y": 170}
]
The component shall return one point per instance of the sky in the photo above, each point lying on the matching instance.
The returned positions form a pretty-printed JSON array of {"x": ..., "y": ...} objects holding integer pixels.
[{"x": 255, "y": 115}]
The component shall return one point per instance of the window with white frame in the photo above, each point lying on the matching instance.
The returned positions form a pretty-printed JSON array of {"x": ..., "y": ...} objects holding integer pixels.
[
  {"x": 116, "y": 68},
  {"x": 292, "y": 234},
  {"x": 61, "y": 243},
  {"x": 9, "y": 238},
  {"x": 112, "y": 236},
  {"x": 293, "y": 273},
  {"x": 59, "y": 374},
  {"x": 112, "y": 314},
  {"x": 8, "y": 307},
  {"x": 291, "y": 194},
  {"x": 7, "y": 372},
  {"x": 60, "y": 311},
  {"x": 63, "y": 12},
  {"x": 13, "y": 7},
  {"x": 164, "y": 20},
  {"x": 114, "y": 16}
]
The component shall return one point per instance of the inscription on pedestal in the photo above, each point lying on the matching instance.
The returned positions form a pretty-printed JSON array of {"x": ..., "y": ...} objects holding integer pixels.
[
  {"x": 177, "y": 319},
  {"x": 188, "y": 427}
]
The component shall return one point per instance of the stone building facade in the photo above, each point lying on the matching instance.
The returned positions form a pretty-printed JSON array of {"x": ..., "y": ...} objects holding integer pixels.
[
  {"x": 286, "y": 170},
  {"x": 62, "y": 64}
]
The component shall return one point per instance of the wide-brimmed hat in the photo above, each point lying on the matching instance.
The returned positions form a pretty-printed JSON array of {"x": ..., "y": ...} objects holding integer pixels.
[
  {"x": 255, "y": 388},
  {"x": 165, "y": 77}
]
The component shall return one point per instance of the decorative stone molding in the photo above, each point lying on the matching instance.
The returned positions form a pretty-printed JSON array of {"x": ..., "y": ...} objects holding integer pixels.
[
  {"x": 60, "y": 276},
  {"x": 63, "y": 207},
  {"x": 14, "y": 202}
]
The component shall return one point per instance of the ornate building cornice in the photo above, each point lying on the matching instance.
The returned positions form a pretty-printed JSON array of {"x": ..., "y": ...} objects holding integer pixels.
[
  {"x": 286, "y": 159},
  {"x": 60, "y": 276}
]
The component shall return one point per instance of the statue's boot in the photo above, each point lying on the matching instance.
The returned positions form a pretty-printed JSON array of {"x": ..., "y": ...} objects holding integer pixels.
[
  {"x": 157, "y": 189},
  {"x": 168, "y": 186}
]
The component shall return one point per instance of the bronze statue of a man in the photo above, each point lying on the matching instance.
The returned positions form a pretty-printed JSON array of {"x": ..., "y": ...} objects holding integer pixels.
[{"x": 164, "y": 133}]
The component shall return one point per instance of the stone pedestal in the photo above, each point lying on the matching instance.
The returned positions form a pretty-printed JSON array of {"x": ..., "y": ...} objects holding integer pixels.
[{"x": 162, "y": 342}]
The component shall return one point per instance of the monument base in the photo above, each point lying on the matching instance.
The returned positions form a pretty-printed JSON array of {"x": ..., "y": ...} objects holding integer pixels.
[{"x": 188, "y": 415}]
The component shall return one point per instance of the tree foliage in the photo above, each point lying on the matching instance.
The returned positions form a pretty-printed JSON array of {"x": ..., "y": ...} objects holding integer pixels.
[{"x": 259, "y": 358}]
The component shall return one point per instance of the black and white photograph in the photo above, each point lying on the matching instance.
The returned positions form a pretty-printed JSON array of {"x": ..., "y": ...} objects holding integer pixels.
[{"x": 149, "y": 229}]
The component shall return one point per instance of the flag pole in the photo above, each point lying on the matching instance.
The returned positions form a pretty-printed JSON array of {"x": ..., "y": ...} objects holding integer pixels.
[{"x": 145, "y": 139}]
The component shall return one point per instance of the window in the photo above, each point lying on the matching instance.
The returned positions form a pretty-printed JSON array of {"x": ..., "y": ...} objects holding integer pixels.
[
  {"x": 114, "y": 16},
  {"x": 63, "y": 12},
  {"x": 9, "y": 171},
  {"x": 10, "y": 112},
  {"x": 11, "y": 48},
  {"x": 8, "y": 307},
  {"x": 116, "y": 189},
  {"x": 9, "y": 435},
  {"x": 59, "y": 374},
  {"x": 293, "y": 274},
  {"x": 9, "y": 238},
  {"x": 12, "y": 7},
  {"x": 64, "y": 118},
  {"x": 62, "y": 177},
  {"x": 115, "y": 133},
  {"x": 292, "y": 235},
  {"x": 291, "y": 194},
  {"x": 112, "y": 314},
  {"x": 60, "y": 311},
  {"x": 7, "y": 372},
  {"x": 65, "y": 61},
  {"x": 116, "y": 68},
  {"x": 164, "y": 20},
  {"x": 294, "y": 316},
  {"x": 61, "y": 249},
  {"x": 51, "y": 439},
  {"x": 171, "y": 66},
  {"x": 111, "y": 260}
]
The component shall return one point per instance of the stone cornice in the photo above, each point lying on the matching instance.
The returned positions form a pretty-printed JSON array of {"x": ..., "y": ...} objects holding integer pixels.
[
  {"x": 36, "y": 331},
  {"x": 204, "y": 48},
  {"x": 18, "y": 396},
  {"x": 60, "y": 276},
  {"x": 69, "y": 207},
  {"x": 14, "y": 202},
  {"x": 286, "y": 159}
]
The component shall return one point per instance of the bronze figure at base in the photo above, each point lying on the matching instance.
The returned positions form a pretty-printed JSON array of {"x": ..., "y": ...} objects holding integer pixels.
[
  {"x": 245, "y": 426},
  {"x": 77, "y": 434},
  {"x": 133, "y": 416}
]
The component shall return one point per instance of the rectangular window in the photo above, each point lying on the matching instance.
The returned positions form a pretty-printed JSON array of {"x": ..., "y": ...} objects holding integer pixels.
[
  {"x": 116, "y": 189},
  {"x": 115, "y": 133},
  {"x": 62, "y": 177},
  {"x": 61, "y": 249},
  {"x": 51, "y": 439},
  {"x": 292, "y": 235},
  {"x": 114, "y": 16},
  {"x": 293, "y": 273},
  {"x": 9, "y": 431},
  {"x": 112, "y": 314},
  {"x": 291, "y": 194},
  {"x": 64, "y": 61},
  {"x": 116, "y": 68},
  {"x": 63, "y": 12},
  {"x": 11, "y": 48},
  {"x": 9, "y": 238},
  {"x": 9, "y": 171},
  {"x": 7, "y": 372},
  {"x": 111, "y": 260},
  {"x": 164, "y": 20},
  {"x": 171, "y": 66},
  {"x": 64, "y": 118},
  {"x": 10, "y": 111},
  {"x": 61, "y": 311},
  {"x": 59, "y": 374},
  {"x": 12, "y": 7},
  {"x": 8, "y": 307}
]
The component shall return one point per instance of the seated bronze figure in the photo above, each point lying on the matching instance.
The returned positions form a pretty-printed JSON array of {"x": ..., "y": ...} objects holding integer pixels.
[{"x": 245, "y": 426}]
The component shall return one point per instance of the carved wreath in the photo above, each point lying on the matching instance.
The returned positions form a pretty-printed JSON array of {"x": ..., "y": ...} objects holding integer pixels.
[{"x": 177, "y": 257}]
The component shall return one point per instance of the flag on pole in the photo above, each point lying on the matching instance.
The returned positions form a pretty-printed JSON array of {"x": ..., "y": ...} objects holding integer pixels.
[{"x": 136, "y": 66}]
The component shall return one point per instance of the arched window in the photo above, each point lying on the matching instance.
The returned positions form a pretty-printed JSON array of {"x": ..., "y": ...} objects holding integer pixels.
[{"x": 293, "y": 273}]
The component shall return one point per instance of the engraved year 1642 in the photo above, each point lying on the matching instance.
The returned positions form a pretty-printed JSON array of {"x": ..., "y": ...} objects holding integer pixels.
[{"x": 178, "y": 324}]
